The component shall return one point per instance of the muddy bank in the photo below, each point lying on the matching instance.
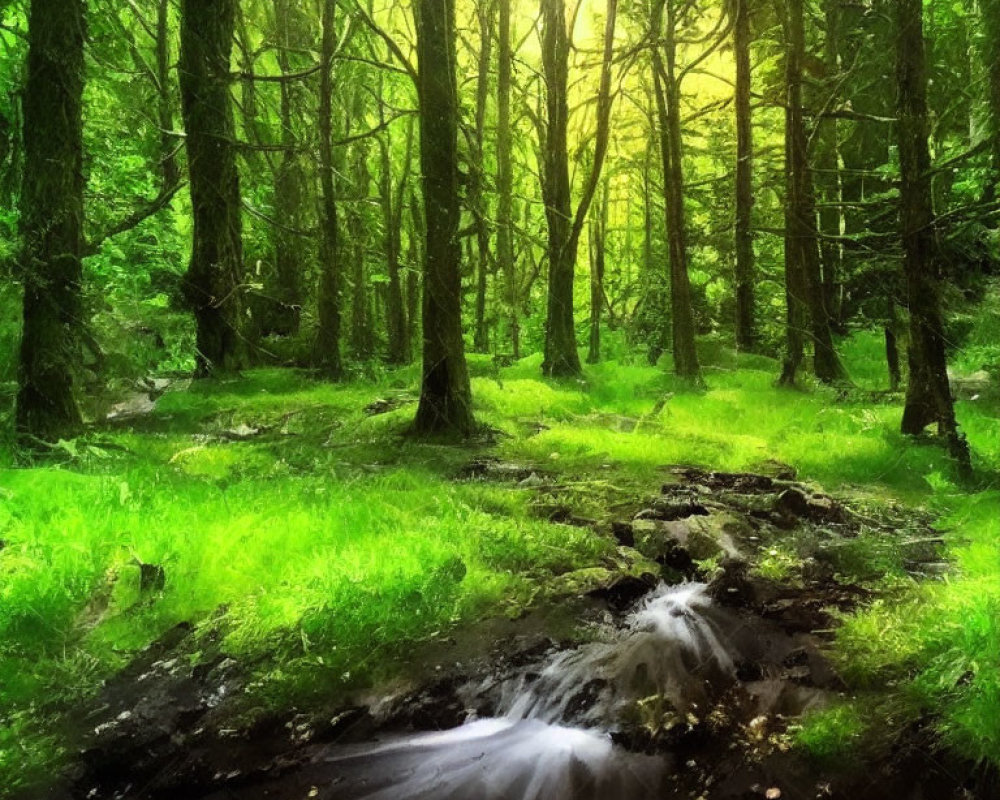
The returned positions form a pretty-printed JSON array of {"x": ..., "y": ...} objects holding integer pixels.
[{"x": 706, "y": 642}]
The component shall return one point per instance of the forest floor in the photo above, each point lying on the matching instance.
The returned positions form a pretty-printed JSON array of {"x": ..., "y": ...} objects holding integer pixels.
[{"x": 293, "y": 528}]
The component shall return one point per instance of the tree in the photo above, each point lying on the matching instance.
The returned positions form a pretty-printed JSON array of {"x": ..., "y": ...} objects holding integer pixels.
[
  {"x": 445, "y": 407},
  {"x": 565, "y": 226},
  {"x": 745, "y": 315},
  {"x": 212, "y": 285},
  {"x": 51, "y": 223},
  {"x": 928, "y": 394},
  {"x": 505, "y": 239},
  {"x": 990, "y": 21},
  {"x": 328, "y": 333},
  {"x": 598, "y": 241},
  {"x": 667, "y": 83}
]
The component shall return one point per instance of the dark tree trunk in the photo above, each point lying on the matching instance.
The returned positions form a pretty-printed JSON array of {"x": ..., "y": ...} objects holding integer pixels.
[
  {"x": 505, "y": 239},
  {"x": 477, "y": 172},
  {"x": 803, "y": 277},
  {"x": 212, "y": 284},
  {"x": 598, "y": 228},
  {"x": 445, "y": 395},
  {"x": 828, "y": 181},
  {"x": 164, "y": 99},
  {"x": 668, "y": 99},
  {"x": 561, "y": 357},
  {"x": 746, "y": 334},
  {"x": 51, "y": 220},
  {"x": 413, "y": 303},
  {"x": 289, "y": 185},
  {"x": 565, "y": 227},
  {"x": 990, "y": 16},
  {"x": 928, "y": 395},
  {"x": 392, "y": 208},
  {"x": 362, "y": 334},
  {"x": 327, "y": 356}
]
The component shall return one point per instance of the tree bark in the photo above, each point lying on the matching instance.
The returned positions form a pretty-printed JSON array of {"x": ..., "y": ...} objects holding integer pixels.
[
  {"x": 746, "y": 335},
  {"x": 169, "y": 170},
  {"x": 392, "y": 208},
  {"x": 668, "y": 98},
  {"x": 289, "y": 184},
  {"x": 327, "y": 357},
  {"x": 212, "y": 285},
  {"x": 928, "y": 395},
  {"x": 51, "y": 221},
  {"x": 505, "y": 240},
  {"x": 565, "y": 226},
  {"x": 477, "y": 172},
  {"x": 445, "y": 407},
  {"x": 828, "y": 180},
  {"x": 598, "y": 229}
]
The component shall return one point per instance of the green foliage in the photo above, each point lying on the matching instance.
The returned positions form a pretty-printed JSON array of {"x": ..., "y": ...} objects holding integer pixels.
[{"x": 833, "y": 736}]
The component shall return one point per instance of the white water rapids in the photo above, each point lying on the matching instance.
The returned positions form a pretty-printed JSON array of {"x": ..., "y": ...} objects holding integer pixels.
[{"x": 551, "y": 739}]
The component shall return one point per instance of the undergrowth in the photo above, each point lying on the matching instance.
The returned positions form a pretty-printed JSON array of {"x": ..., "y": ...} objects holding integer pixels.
[{"x": 319, "y": 541}]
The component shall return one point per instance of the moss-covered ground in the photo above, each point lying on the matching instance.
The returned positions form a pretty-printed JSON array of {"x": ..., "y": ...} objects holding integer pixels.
[{"x": 321, "y": 542}]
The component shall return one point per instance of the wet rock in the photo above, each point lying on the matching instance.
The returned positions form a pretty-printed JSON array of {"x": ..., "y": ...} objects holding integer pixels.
[
  {"x": 697, "y": 538},
  {"x": 625, "y": 593}
]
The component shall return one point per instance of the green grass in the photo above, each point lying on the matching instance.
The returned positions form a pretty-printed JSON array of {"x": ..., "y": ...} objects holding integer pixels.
[{"x": 331, "y": 542}]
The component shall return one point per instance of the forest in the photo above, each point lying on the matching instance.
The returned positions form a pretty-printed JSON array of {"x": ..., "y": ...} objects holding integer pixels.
[{"x": 502, "y": 399}]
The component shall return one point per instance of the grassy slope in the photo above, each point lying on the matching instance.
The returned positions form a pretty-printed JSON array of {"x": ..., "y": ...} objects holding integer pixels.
[{"x": 331, "y": 541}]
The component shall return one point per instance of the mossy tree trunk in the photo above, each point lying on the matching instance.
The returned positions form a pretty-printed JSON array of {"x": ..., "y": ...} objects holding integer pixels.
[
  {"x": 212, "y": 285},
  {"x": 598, "y": 238},
  {"x": 505, "y": 179},
  {"x": 51, "y": 220},
  {"x": 445, "y": 407},
  {"x": 327, "y": 356},
  {"x": 928, "y": 394},
  {"x": 746, "y": 335},
  {"x": 668, "y": 99}
]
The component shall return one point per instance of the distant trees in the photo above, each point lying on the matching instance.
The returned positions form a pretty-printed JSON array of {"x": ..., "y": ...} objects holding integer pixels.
[
  {"x": 51, "y": 221},
  {"x": 213, "y": 283},
  {"x": 745, "y": 322}
]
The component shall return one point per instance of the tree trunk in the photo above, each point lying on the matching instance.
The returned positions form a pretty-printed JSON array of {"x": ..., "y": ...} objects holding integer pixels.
[
  {"x": 289, "y": 186},
  {"x": 565, "y": 227},
  {"x": 505, "y": 240},
  {"x": 828, "y": 180},
  {"x": 746, "y": 334},
  {"x": 327, "y": 357},
  {"x": 668, "y": 98},
  {"x": 212, "y": 285},
  {"x": 413, "y": 303},
  {"x": 928, "y": 395},
  {"x": 445, "y": 395},
  {"x": 598, "y": 228},
  {"x": 362, "y": 335},
  {"x": 477, "y": 172},
  {"x": 164, "y": 100},
  {"x": 561, "y": 358},
  {"x": 892, "y": 346},
  {"x": 51, "y": 220},
  {"x": 990, "y": 20},
  {"x": 392, "y": 217}
]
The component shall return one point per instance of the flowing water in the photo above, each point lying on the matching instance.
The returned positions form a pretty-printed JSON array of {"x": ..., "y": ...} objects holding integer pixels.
[{"x": 551, "y": 738}]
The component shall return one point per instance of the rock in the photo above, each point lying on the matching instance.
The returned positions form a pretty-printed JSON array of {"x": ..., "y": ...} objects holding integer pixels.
[
  {"x": 626, "y": 592},
  {"x": 694, "y": 538},
  {"x": 671, "y": 508},
  {"x": 581, "y": 581},
  {"x": 622, "y": 531},
  {"x": 796, "y": 502}
]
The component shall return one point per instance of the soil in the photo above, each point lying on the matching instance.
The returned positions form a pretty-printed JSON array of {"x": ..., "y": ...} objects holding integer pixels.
[{"x": 172, "y": 726}]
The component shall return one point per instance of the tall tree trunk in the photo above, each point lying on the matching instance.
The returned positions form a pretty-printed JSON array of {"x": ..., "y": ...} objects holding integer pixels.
[
  {"x": 445, "y": 395},
  {"x": 327, "y": 356},
  {"x": 746, "y": 334},
  {"x": 413, "y": 303},
  {"x": 990, "y": 20},
  {"x": 51, "y": 222},
  {"x": 212, "y": 284},
  {"x": 169, "y": 170},
  {"x": 565, "y": 226},
  {"x": 668, "y": 94},
  {"x": 477, "y": 173},
  {"x": 803, "y": 281},
  {"x": 928, "y": 395},
  {"x": 289, "y": 184},
  {"x": 598, "y": 230},
  {"x": 561, "y": 358},
  {"x": 505, "y": 239},
  {"x": 828, "y": 164},
  {"x": 892, "y": 345},
  {"x": 392, "y": 216},
  {"x": 362, "y": 333}
]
